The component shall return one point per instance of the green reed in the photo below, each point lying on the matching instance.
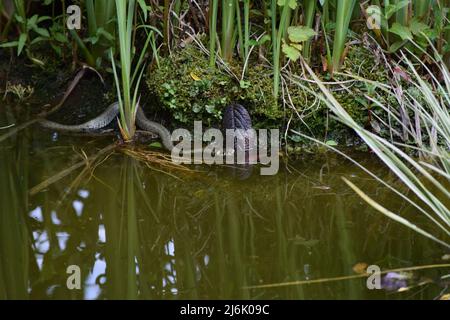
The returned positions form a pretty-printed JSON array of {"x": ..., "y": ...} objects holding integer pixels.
[
  {"x": 278, "y": 35},
  {"x": 344, "y": 13},
  {"x": 127, "y": 84},
  {"x": 228, "y": 28},
  {"x": 15, "y": 243},
  {"x": 310, "y": 13},
  {"x": 246, "y": 28},
  {"x": 214, "y": 4}
]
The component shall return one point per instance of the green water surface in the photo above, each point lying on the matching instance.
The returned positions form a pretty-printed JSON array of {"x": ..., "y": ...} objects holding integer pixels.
[{"x": 140, "y": 231}]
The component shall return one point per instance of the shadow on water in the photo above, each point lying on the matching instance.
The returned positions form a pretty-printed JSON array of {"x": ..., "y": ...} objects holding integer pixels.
[{"x": 138, "y": 233}]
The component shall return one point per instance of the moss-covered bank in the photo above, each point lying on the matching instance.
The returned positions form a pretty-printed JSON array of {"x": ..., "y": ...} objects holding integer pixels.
[{"x": 185, "y": 86}]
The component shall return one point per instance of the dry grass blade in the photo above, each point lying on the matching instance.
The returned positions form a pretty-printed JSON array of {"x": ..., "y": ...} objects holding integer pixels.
[
  {"x": 392, "y": 215},
  {"x": 356, "y": 276},
  {"x": 152, "y": 158}
]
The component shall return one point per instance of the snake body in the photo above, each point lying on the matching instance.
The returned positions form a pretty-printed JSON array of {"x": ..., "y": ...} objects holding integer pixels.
[
  {"x": 97, "y": 123},
  {"x": 144, "y": 123},
  {"x": 236, "y": 117},
  {"x": 109, "y": 115}
]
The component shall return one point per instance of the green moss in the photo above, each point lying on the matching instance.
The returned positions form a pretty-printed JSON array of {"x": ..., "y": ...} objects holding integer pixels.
[{"x": 190, "y": 90}]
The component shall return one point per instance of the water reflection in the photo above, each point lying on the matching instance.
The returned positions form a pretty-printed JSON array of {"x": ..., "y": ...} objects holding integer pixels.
[{"x": 137, "y": 233}]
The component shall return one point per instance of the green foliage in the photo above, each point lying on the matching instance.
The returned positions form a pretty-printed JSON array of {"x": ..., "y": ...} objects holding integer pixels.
[
  {"x": 95, "y": 41},
  {"x": 187, "y": 89},
  {"x": 297, "y": 35},
  {"x": 190, "y": 90},
  {"x": 403, "y": 22},
  {"x": 34, "y": 30}
]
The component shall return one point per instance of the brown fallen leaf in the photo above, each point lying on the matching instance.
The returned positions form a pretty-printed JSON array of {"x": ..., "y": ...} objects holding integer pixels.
[{"x": 360, "y": 268}]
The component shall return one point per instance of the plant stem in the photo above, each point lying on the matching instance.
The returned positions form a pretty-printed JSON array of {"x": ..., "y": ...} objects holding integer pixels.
[
  {"x": 213, "y": 32},
  {"x": 343, "y": 16}
]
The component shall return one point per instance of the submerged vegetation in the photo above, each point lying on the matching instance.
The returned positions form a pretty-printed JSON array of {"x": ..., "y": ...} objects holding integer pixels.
[{"x": 368, "y": 74}]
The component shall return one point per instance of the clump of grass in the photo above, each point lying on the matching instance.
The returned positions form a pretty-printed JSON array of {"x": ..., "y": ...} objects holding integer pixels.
[
  {"x": 427, "y": 180},
  {"x": 128, "y": 85}
]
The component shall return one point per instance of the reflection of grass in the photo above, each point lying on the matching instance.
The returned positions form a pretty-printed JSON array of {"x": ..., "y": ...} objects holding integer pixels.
[
  {"x": 213, "y": 237},
  {"x": 14, "y": 241}
]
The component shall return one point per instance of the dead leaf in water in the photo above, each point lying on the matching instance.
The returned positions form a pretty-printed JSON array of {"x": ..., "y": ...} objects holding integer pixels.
[
  {"x": 403, "y": 289},
  {"x": 321, "y": 187},
  {"x": 360, "y": 268}
]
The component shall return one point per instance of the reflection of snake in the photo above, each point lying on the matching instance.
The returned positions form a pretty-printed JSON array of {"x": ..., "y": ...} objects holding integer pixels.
[
  {"x": 106, "y": 117},
  {"x": 235, "y": 117}
]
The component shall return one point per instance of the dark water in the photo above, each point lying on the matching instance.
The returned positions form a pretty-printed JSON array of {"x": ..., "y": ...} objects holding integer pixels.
[{"x": 140, "y": 230}]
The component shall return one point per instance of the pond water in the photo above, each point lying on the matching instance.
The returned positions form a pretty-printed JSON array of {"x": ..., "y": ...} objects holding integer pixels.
[{"x": 141, "y": 230}]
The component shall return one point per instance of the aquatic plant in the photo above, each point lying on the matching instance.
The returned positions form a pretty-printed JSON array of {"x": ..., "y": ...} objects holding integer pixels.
[
  {"x": 343, "y": 17},
  {"x": 100, "y": 31},
  {"x": 128, "y": 83},
  {"x": 278, "y": 36},
  {"x": 30, "y": 29}
]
